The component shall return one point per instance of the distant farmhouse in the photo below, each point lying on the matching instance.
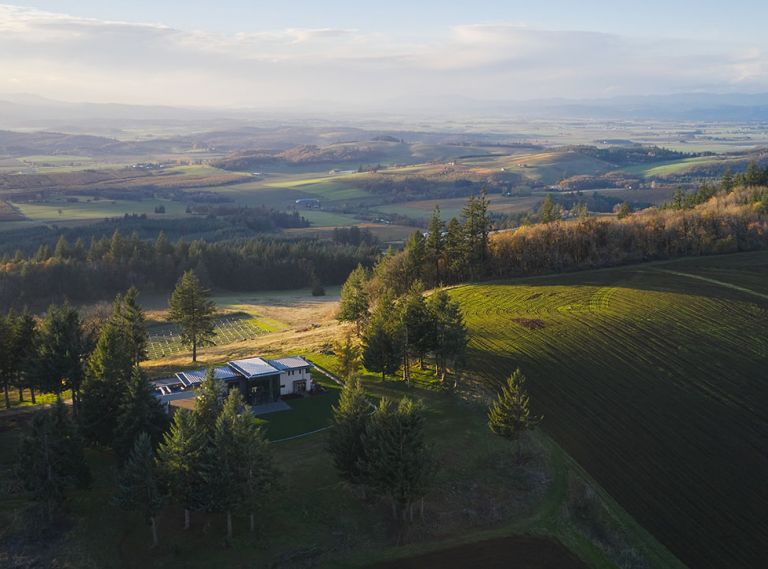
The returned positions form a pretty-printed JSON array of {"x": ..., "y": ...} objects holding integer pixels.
[
  {"x": 261, "y": 381},
  {"x": 308, "y": 203}
]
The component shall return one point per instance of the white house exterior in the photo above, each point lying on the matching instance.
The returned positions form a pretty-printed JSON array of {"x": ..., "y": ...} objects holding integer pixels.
[{"x": 259, "y": 379}]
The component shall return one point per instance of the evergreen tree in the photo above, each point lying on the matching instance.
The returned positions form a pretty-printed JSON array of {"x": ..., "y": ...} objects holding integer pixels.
[
  {"x": 256, "y": 476},
  {"x": 434, "y": 248},
  {"x": 209, "y": 402},
  {"x": 727, "y": 182},
  {"x": 6, "y": 357},
  {"x": 345, "y": 442},
  {"x": 138, "y": 483},
  {"x": 549, "y": 210},
  {"x": 509, "y": 415},
  {"x": 63, "y": 347},
  {"x": 348, "y": 355},
  {"x": 180, "y": 457},
  {"x": 449, "y": 334},
  {"x": 51, "y": 459},
  {"x": 398, "y": 463},
  {"x": 24, "y": 349},
  {"x": 625, "y": 210},
  {"x": 129, "y": 315},
  {"x": 354, "y": 304},
  {"x": 382, "y": 340},
  {"x": 61, "y": 251},
  {"x": 477, "y": 227},
  {"x": 223, "y": 465},
  {"x": 456, "y": 251},
  {"x": 415, "y": 257},
  {"x": 417, "y": 328},
  {"x": 191, "y": 308},
  {"x": 110, "y": 367},
  {"x": 139, "y": 412}
]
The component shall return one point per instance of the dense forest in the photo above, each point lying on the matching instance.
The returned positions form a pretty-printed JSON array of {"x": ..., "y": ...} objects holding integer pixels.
[
  {"x": 107, "y": 265},
  {"x": 214, "y": 222}
]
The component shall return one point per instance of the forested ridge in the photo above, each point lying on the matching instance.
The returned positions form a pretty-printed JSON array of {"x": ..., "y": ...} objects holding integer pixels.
[
  {"x": 708, "y": 221},
  {"x": 80, "y": 272}
]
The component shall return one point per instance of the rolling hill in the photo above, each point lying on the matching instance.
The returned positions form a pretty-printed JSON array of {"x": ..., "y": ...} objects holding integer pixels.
[{"x": 654, "y": 379}]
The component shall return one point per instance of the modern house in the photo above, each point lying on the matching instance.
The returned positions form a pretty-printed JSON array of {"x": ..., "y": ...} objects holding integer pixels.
[{"x": 260, "y": 380}]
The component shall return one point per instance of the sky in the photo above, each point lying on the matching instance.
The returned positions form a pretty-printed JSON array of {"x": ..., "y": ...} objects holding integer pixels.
[{"x": 289, "y": 53}]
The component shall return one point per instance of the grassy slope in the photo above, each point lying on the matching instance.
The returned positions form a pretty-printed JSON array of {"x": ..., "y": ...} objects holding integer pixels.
[{"x": 653, "y": 383}]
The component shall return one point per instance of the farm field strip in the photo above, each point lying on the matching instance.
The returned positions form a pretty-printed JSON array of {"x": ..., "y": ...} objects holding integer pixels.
[
  {"x": 651, "y": 381},
  {"x": 165, "y": 340}
]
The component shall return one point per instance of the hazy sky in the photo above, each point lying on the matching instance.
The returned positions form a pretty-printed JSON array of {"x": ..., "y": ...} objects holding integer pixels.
[{"x": 284, "y": 52}]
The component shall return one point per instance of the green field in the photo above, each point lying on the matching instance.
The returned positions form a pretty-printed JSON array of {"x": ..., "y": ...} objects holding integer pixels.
[
  {"x": 319, "y": 218},
  {"x": 87, "y": 209},
  {"x": 654, "y": 380},
  {"x": 673, "y": 167}
]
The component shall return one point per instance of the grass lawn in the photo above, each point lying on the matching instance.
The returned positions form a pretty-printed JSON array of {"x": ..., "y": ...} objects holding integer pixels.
[
  {"x": 40, "y": 398},
  {"x": 651, "y": 381},
  {"x": 306, "y": 415}
]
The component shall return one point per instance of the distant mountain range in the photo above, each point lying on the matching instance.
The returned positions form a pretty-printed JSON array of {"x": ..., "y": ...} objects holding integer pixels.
[{"x": 23, "y": 111}]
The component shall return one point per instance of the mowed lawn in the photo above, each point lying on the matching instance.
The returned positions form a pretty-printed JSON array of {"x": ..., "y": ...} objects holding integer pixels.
[{"x": 656, "y": 382}]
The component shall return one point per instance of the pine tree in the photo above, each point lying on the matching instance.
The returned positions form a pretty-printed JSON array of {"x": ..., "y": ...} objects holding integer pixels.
[
  {"x": 180, "y": 457},
  {"x": 509, "y": 415},
  {"x": 456, "y": 251},
  {"x": 727, "y": 182},
  {"x": 6, "y": 356},
  {"x": 50, "y": 459},
  {"x": 110, "y": 367},
  {"x": 129, "y": 315},
  {"x": 191, "y": 308},
  {"x": 209, "y": 402},
  {"x": 398, "y": 463},
  {"x": 417, "y": 327},
  {"x": 354, "y": 304},
  {"x": 477, "y": 227},
  {"x": 61, "y": 251},
  {"x": 549, "y": 211},
  {"x": 256, "y": 476},
  {"x": 345, "y": 442},
  {"x": 382, "y": 342},
  {"x": 450, "y": 332},
  {"x": 434, "y": 247},
  {"x": 25, "y": 350},
  {"x": 139, "y": 412},
  {"x": 415, "y": 257},
  {"x": 138, "y": 483},
  {"x": 63, "y": 347},
  {"x": 348, "y": 355},
  {"x": 223, "y": 466}
]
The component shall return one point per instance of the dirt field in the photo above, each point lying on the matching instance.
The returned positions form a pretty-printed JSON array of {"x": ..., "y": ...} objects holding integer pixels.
[{"x": 518, "y": 552}]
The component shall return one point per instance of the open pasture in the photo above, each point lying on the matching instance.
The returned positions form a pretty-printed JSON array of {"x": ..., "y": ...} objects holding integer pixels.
[
  {"x": 85, "y": 208},
  {"x": 655, "y": 382}
]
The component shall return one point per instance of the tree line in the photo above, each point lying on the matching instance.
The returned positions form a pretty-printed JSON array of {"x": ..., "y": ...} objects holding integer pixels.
[
  {"x": 710, "y": 220},
  {"x": 107, "y": 265},
  {"x": 395, "y": 331}
]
